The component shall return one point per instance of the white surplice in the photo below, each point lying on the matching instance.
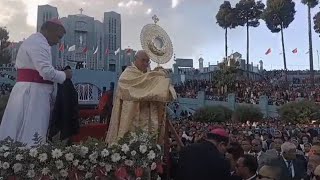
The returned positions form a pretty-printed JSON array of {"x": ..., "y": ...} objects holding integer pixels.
[{"x": 28, "y": 108}]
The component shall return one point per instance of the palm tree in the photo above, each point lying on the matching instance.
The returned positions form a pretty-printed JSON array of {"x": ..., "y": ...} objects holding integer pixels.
[
  {"x": 225, "y": 19},
  {"x": 278, "y": 15},
  {"x": 310, "y": 4},
  {"x": 248, "y": 14}
]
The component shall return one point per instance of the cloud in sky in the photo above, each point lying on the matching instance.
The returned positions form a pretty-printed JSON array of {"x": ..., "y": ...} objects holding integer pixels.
[{"x": 190, "y": 24}]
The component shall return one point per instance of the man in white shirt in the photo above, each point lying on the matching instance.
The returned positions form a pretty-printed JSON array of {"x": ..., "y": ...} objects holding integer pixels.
[{"x": 28, "y": 108}]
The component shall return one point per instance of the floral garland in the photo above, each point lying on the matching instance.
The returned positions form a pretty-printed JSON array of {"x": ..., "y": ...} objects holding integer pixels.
[{"x": 136, "y": 156}]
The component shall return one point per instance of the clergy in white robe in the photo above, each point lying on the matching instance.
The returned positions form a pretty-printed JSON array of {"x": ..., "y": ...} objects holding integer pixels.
[{"x": 28, "y": 108}]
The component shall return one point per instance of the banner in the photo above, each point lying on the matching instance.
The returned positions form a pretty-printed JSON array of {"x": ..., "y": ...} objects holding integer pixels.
[{"x": 184, "y": 62}]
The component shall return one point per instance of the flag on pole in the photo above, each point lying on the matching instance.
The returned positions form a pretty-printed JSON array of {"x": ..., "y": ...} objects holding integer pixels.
[
  {"x": 128, "y": 51},
  {"x": 107, "y": 51},
  {"x": 95, "y": 52},
  {"x": 268, "y": 51},
  {"x": 117, "y": 51},
  {"x": 295, "y": 51},
  {"x": 85, "y": 50},
  {"x": 72, "y": 48},
  {"x": 61, "y": 48}
]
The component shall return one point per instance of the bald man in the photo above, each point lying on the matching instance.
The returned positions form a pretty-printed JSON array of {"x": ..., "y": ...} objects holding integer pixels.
[
  {"x": 28, "y": 108},
  {"x": 140, "y": 101}
]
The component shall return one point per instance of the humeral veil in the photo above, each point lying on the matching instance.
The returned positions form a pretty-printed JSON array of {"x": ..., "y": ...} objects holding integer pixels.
[{"x": 140, "y": 103}]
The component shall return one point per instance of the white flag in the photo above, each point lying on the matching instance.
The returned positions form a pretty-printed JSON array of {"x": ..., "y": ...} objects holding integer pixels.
[
  {"x": 117, "y": 51},
  {"x": 95, "y": 52},
  {"x": 72, "y": 48}
]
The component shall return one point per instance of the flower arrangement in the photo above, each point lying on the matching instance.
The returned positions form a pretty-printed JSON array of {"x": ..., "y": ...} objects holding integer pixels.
[{"x": 136, "y": 156}]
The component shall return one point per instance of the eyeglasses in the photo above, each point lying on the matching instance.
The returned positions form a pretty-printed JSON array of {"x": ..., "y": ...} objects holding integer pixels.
[{"x": 264, "y": 177}]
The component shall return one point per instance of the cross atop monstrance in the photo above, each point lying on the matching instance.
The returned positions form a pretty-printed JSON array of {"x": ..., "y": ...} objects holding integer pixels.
[
  {"x": 81, "y": 10},
  {"x": 155, "y": 19}
]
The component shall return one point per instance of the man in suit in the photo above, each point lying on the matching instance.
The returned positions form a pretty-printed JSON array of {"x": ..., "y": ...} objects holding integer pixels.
[
  {"x": 291, "y": 167},
  {"x": 246, "y": 167},
  {"x": 205, "y": 160}
]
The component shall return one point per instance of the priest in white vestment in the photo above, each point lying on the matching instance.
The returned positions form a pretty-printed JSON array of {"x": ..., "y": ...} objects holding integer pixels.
[{"x": 28, "y": 108}]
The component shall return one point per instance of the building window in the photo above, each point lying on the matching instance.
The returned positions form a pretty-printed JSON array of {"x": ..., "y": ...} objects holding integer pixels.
[{"x": 112, "y": 67}]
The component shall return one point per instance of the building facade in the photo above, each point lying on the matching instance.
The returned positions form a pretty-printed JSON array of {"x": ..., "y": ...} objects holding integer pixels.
[
  {"x": 45, "y": 13},
  {"x": 93, "y": 43}
]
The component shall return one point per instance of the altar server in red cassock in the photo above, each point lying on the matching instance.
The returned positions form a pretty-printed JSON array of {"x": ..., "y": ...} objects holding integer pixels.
[{"x": 28, "y": 108}]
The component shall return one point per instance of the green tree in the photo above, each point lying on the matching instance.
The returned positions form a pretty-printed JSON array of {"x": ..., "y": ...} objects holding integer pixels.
[
  {"x": 316, "y": 21},
  {"x": 310, "y": 4},
  {"x": 226, "y": 19},
  {"x": 300, "y": 112},
  {"x": 227, "y": 74},
  {"x": 278, "y": 15},
  {"x": 248, "y": 14},
  {"x": 5, "y": 55},
  {"x": 244, "y": 113},
  {"x": 212, "y": 114}
]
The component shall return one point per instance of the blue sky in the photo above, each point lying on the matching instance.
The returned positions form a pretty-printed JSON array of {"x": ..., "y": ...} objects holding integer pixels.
[{"x": 191, "y": 25}]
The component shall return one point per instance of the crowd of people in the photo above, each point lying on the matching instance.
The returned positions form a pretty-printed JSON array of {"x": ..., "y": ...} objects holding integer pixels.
[
  {"x": 270, "y": 150},
  {"x": 249, "y": 91}
]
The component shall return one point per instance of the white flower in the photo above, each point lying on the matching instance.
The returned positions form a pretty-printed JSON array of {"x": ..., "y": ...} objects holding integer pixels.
[
  {"x": 56, "y": 153},
  {"x": 159, "y": 147},
  {"x": 75, "y": 162},
  {"x": 4, "y": 148},
  {"x": 108, "y": 167},
  {"x": 151, "y": 155},
  {"x": 104, "y": 153},
  {"x": 31, "y": 174},
  {"x": 5, "y": 165},
  {"x": 88, "y": 175},
  {"x": 6, "y": 154},
  {"x": 123, "y": 157},
  {"x": 31, "y": 166},
  {"x": 128, "y": 163},
  {"x": 125, "y": 148},
  {"x": 81, "y": 168},
  {"x": 143, "y": 148},
  {"x": 115, "y": 157},
  {"x": 102, "y": 164},
  {"x": 133, "y": 153},
  {"x": 153, "y": 166},
  {"x": 133, "y": 134},
  {"x": 158, "y": 178},
  {"x": 84, "y": 150},
  {"x": 43, "y": 157},
  {"x": 33, "y": 152},
  {"x": 69, "y": 157},
  {"x": 93, "y": 157},
  {"x": 19, "y": 157},
  {"x": 17, "y": 167},
  {"x": 64, "y": 173},
  {"x": 59, "y": 164},
  {"x": 45, "y": 171}
]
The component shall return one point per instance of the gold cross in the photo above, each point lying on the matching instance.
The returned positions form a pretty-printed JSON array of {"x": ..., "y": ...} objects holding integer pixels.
[{"x": 155, "y": 19}]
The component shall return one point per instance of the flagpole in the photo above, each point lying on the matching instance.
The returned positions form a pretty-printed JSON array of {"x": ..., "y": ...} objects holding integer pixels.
[
  {"x": 318, "y": 59},
  {"x": 119, "y": 62}
]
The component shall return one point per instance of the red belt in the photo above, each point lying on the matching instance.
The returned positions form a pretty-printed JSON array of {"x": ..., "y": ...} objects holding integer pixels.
[{"x": 30, "y": 75}]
